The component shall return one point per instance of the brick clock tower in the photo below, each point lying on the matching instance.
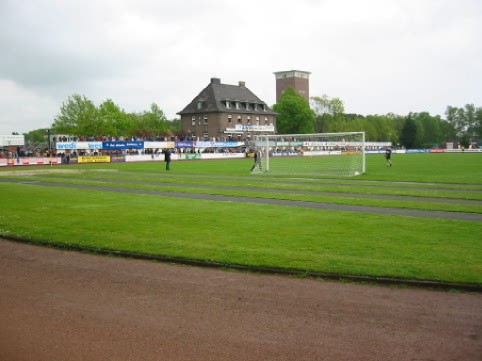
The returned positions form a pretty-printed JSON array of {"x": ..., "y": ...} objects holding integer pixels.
[{"x": 297, "y": 79}]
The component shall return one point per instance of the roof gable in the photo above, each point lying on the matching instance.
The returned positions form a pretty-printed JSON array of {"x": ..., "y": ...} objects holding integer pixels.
[{"x": 217, "y": 97}]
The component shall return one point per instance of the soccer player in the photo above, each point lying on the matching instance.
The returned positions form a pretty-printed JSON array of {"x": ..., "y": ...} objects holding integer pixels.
[
  {"x": 167, "y": 159},
  {"x": 388, "y": 156}
]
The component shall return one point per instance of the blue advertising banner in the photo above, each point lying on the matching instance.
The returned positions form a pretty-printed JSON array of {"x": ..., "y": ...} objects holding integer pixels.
[
  {"x": 123, "y": 145},
  {"x": 417, "y": 151},
  {"x": 184, "y": 144}
]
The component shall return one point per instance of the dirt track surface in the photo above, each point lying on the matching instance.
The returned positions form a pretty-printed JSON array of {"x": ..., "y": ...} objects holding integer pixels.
[{"x": 61, "y": 305}]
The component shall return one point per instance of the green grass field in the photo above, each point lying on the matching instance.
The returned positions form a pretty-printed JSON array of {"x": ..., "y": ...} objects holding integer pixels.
[{"x": 139, "y": 220}]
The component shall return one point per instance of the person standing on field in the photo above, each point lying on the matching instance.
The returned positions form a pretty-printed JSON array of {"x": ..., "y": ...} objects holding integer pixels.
[
  {"x": 257, "y": 160},
  {"x": 388, "y": 156},
  {"x": 167, "y": 159}
]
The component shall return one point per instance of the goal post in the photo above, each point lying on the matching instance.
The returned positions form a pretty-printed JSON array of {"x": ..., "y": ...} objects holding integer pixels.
[{"x": 323, "y": 154}]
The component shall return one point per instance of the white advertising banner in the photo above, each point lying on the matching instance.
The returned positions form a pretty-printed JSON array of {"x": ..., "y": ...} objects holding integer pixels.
[{"x": 12, "y": 140}]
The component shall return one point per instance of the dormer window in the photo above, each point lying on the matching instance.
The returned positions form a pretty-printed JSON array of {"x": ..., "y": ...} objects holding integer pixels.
[
  {"x": 200, "y": 104},
  {"x": 237, "y": 105},
  {"x": 247, "y": 106},
  {"x": 228, "y": 104}
]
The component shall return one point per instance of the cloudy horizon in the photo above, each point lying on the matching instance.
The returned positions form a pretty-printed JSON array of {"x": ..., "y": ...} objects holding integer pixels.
[{"x": 377, "y": 56}]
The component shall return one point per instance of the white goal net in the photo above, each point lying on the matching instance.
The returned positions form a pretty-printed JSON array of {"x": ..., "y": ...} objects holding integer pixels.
[{"x": 325, "y": 154}]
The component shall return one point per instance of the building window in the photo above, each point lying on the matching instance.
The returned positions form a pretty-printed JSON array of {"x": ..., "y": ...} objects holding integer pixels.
[
  {"x": 229, "y": 119},
  {"x": 237, "y": 105},
  {"x": 239, "y": 119},
  {"x": 249, "y": 119},
  {"x": 228, "y": 104},
  {"x": 193, "y": 121},
  {"x": 205, "y": 135},
  {"x": 205, "y": 119},
  {"x": 200, "y": 104},
  {"x": 257, "y": 120},
  {"x": 266, "y": 120},
  {"x": 247, "y": 106}
]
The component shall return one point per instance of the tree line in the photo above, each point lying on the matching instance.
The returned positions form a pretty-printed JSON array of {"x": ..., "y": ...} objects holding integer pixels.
[
  {"x": 79, "y": 116},
  {"x": 415, "y": 130}
]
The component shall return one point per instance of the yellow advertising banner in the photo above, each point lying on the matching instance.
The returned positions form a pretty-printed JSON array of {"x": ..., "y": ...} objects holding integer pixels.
[{"x": 94, "y": 159}]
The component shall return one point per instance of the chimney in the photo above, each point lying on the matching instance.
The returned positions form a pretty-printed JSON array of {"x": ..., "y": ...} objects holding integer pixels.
[
  {"x": 242, "y": 84},
  {"x": 215, "y": 81}
]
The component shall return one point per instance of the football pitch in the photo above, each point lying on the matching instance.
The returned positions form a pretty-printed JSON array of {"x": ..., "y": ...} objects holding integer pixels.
[{"x": 418, "y": 220}]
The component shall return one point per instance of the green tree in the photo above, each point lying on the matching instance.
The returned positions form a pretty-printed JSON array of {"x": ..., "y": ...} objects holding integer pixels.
[
  {"x": 448, "y": 131},
  {"x": 294, "y": 114},
  {"x": 114, "y": 120},
  {"x": 322, "y": 122},
  {"x": 466, "y": 123},
  {"x": 326, "y": 105},
  {"x": 175, "y": 125},
  {"x": 412, "y": 133},
  {"x": 36, "y": 136},
  {"x": 478, "y": 123},
  {"x": 432, "y": 129},
  {"x": 155, "y": 121},
  {"x": 473, "y": 116},
  {"x": 337, "y": 106},
  {"x": 78, "y": 116}
]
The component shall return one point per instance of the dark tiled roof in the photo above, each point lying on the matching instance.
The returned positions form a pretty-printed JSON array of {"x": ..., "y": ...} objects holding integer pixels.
[{"x": 215, "y": 95}]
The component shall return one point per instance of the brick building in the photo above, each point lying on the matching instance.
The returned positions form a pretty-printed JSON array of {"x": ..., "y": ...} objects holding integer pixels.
[
  {"x": 297, "y": 79},
  {"x": 226, "y": 112}
]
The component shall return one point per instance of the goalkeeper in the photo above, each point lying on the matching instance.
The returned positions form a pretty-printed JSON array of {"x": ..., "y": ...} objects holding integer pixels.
[{"x": 257, "y": 160}]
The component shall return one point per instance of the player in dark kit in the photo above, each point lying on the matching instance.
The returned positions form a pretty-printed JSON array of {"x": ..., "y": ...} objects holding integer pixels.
[
  {"x": 388, "y": 156},
  {"x": 167, "y": 159}
]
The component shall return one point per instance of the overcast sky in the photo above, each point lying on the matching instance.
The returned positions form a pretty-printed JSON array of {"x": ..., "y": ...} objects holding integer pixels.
[{"x": 378, "y": 56}]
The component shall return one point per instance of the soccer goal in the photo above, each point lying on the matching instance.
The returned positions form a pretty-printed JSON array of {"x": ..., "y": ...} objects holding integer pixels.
[{"x": 326, "y": 154}]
